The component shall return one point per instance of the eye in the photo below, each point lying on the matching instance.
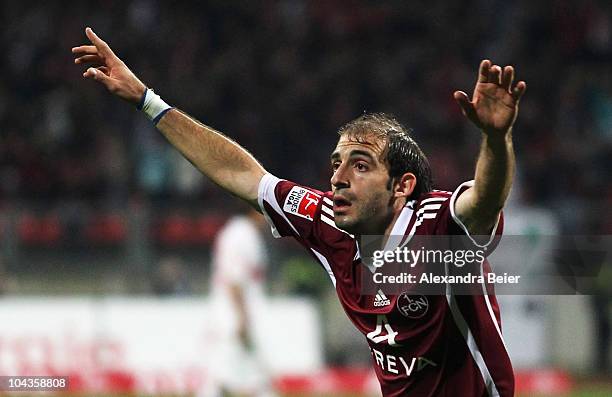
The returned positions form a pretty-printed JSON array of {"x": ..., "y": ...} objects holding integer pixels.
[
  {"x": 361, "y": 166},
  {"x": 335, "y": 165}
]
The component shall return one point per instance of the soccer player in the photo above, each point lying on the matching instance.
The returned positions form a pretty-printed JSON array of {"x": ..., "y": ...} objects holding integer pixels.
[
  {"x": 445, "y": 345},
  {"x": 237, "y": 291}
]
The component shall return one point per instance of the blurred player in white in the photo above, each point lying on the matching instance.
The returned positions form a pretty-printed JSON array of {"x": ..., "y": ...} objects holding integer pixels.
[{"x": 238, "y": 295}]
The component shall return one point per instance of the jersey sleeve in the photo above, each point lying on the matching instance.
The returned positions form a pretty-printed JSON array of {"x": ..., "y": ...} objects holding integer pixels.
[
  {"x": 450, "y": 224},
  {"x": 486, "y": 242},
  {"x": 290, "y": 209},
  {"x": 307, "y": 215}
]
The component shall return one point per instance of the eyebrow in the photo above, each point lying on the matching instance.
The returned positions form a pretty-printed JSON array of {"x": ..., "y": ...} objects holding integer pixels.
[{"x": 353, "y": 153}]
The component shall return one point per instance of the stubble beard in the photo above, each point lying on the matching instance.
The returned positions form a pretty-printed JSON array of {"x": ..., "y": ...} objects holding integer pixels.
[{"x": 370, "y": 218}]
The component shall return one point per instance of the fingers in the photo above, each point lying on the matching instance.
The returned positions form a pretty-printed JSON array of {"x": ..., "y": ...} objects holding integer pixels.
[
  {"x": 483, "y": 71},
  {"x": 94, "y": 38},
  {"x": 99, "y": 75},
  {"x": 100, "y": 44},
  {"x": 507, "y": 77},
  {"x": 489, "y": 73},
  {"x": 495, "y": 74},
  {"x": 467, "y": 107},
  {"x": 89, "y": 59},
  {"x": 519, "y": 90},
  {"x": 85, "y": 49}
]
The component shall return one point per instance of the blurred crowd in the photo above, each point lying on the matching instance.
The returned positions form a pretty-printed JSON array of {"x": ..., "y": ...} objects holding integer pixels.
[{"x": 281, "y": 77}]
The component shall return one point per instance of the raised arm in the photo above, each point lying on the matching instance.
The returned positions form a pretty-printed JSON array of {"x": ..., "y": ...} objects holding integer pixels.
[
  {"x": 222, "y": 160},
  {"x": 493, "y": 108}
]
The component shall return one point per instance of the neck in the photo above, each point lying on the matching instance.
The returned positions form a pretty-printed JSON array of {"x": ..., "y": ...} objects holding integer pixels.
[
  {"x": 389, "y": 229},
  {"x": 368, "y": 243},
  {"x": 398, "y": 206}
]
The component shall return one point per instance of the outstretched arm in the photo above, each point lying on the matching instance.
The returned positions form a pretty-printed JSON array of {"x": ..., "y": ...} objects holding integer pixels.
[
  {"x": 222, "y": 160},
  {"x": 493, "y": 109}
]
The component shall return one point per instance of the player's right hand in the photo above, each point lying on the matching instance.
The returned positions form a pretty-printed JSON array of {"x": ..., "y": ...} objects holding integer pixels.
[{"x": 108, "y": 69}]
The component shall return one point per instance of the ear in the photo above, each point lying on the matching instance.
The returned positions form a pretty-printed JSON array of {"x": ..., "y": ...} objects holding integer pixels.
[{"x": 404, "y": 186}]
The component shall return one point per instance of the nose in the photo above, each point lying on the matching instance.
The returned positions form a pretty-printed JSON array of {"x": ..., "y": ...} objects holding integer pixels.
[{"x": 340, "y": 178}]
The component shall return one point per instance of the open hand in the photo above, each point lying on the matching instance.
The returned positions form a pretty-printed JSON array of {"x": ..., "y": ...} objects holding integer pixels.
[
  {"x": 494, "y": 104},
  {"x": 108, "y": 69}
]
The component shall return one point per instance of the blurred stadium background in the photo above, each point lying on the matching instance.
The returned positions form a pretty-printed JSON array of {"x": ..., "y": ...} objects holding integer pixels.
[{"x": 106, "y": 231}]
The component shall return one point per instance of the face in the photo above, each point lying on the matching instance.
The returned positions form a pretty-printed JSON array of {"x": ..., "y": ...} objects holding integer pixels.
[{"x": 363, "y": 203}]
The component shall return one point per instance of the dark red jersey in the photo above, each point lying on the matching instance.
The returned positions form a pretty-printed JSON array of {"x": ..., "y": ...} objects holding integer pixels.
[{"x": 421, "y": 345}]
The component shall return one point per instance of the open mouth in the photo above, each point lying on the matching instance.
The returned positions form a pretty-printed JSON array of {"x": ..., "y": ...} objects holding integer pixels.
[{"x": 341, "y": 204}]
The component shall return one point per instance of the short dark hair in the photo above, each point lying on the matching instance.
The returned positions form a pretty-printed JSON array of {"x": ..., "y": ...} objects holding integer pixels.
[{"x": 401, "y": 152}]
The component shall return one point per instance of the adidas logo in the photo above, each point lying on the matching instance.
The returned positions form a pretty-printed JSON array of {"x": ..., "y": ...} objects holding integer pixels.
[{"x": 381, "y": 300}]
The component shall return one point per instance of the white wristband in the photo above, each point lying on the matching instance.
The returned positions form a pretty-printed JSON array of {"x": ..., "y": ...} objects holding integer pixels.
[{"x": 153, "y": 106}]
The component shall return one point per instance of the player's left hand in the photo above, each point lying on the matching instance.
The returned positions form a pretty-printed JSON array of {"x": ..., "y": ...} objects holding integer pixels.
[{"x": 494, "y": 104}]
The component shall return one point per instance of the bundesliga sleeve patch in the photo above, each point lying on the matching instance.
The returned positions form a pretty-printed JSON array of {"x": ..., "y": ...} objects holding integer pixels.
[{"x": 301, "y": 202}]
